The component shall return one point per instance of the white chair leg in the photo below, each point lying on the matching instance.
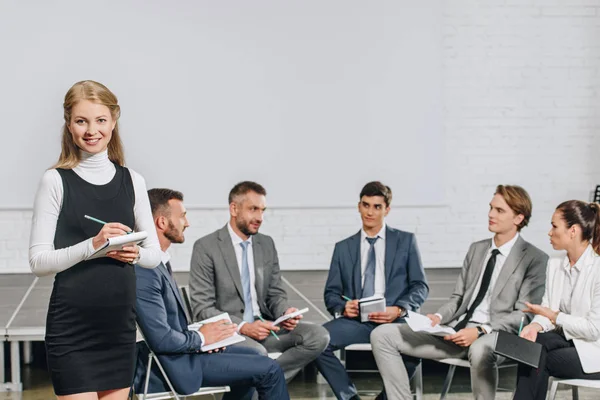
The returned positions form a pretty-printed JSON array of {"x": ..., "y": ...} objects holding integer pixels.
[
  {"x": 448, "y": 382},
  {"x": 575, "y": 391},
  {"x": 553, "y": 389},
  {"x": 418, "y": 379}
]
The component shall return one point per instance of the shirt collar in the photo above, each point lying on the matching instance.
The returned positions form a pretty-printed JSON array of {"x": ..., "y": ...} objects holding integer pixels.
[
  {"x": 506, "y": 247},
  {"x": 581, "y": 262},
  {"x": 234, "y": 236},
  {"x": 165, "y": 257},
  {"x": 380, "y": 234}
]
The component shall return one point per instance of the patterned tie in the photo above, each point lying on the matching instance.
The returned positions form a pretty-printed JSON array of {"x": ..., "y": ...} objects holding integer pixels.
[
  {"x": 369, "y": 285},
  {"x": 248, "y": 309},
  {"x": 485, "y": 285}
]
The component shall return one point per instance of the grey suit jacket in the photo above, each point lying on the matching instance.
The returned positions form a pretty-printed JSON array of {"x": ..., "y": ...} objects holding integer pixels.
[
  {"x": 523, "y": 278},
  {"x": 216, "y": 285}
]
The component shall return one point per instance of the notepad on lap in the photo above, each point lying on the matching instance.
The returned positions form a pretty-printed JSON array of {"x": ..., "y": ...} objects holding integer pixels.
[
  {"x": 368, "y": 305},
  {"x": 235, "y": 338},
  {"x": 421, "y": 323},
  {"x": 289, "y": 316},
  {"x": 118, "y": 242}
]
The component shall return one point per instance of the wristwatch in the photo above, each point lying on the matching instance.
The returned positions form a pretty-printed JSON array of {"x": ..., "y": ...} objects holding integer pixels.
[{"x": 480, "y": 331}]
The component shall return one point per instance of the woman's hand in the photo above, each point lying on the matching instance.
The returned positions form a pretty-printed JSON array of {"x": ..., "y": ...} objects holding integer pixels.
[
  {"x": 109, "y": 230},
  {"x": 530, "y": 332},
  {"x": 128, "y": 254},
  {"x": 543, "y": 311}
]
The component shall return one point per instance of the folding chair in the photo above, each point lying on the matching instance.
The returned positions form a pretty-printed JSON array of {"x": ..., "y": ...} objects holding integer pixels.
[
  {"x": 453, "y": 363},
  {"x": 574, "y": 383},
  {"x": 172, "y": 394}
]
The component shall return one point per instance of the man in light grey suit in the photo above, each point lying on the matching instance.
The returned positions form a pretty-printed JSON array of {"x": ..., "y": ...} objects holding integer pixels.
[
  {"x": 497, "y": 278},
  {"x": 236, "y": 270}
]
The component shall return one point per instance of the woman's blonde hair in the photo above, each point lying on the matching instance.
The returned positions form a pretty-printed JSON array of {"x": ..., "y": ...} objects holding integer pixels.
[{"x": 70, "y": 154}]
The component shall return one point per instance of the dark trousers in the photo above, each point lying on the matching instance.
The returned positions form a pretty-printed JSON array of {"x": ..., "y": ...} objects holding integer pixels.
[
  {"x": 243, "y": 370},
  {"x": 559, "y": 359},
  {"x": 344, "y": 332}
]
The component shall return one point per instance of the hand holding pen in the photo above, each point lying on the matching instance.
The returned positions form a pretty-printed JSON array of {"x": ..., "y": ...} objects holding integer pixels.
[
  {"x": 351, "y": 308},
  {"x": 111, "y": 229}
]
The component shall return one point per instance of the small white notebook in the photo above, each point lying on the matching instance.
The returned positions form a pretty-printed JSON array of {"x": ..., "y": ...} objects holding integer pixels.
[
  {"x": 117, "y": 243},
  {"x": 235, "y": 338},
  {"x": 289, "y": 316},
  {"x": 421, "y": 323},
  {"x": 369, "y": 305}
]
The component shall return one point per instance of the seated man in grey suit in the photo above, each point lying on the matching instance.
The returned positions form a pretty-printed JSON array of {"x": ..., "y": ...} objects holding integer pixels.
[
  {"x": 235, "y": 270},
  {"x": 498, "y": 277},
  {"x": 376, "y": 261}
]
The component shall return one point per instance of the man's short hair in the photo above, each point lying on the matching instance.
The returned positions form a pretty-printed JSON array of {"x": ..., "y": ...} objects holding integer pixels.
[
  {"x": 518, "y": 200},
  {"x": 244, "y": 187},
  {"x": 377, "y": 188},
  {"x": 159, "y": 200}
]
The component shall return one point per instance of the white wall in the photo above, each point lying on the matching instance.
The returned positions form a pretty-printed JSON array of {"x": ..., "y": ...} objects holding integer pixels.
[
  {"x": 294, "y": 94},
  {"x": 522, "y": 105}
]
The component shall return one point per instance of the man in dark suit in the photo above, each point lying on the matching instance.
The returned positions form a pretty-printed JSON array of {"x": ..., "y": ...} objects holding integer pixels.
[
  {"x": 376, "y": 261},
  {"x": 236, "y": 270},
  {"x": 161, "y": 317}
]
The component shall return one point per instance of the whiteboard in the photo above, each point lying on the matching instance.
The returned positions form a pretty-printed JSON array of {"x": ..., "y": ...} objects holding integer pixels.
[{"x": 310, "y": 98}]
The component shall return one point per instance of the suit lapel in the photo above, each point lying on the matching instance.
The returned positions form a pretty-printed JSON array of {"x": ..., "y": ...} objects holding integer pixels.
[
  {"x": 226, "y": 247},
  {"x": 259, "y": 270},
  {"x": 476, "y": 268},
  {"x": 391, "y": 244},
  {"x": 161, "y": 267},
  {"x": 512, "y": 262},
  {"x": 354, "y": 248}
]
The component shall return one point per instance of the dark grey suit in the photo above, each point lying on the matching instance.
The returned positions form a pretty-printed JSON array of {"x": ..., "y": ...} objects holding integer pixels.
[
  {"x": 522, "y": 279},
  {"x": 216, "y": 287}
]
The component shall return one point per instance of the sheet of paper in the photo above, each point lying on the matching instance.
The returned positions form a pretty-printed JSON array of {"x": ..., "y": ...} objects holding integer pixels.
[
  {"x": 370, "y": 305},
  {"x": 420, "y": 323},
  {"x": 235, "y": 338},
  {"x": 288, "y": 316}
]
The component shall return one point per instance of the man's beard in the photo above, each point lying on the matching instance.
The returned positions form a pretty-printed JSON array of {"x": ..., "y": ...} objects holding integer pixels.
[
  {"x": 172, "y": 234},
  {"x": 243, "y": 227}
]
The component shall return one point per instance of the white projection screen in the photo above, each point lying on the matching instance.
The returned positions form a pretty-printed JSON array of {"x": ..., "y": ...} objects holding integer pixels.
[{"x": 310, "y": 98}]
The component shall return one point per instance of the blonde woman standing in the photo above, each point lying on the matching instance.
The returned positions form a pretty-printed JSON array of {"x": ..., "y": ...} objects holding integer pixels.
[{"x": 90, "y": 327}]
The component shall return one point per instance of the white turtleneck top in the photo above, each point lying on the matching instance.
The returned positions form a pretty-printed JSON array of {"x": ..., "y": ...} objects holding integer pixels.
[{"x": 96, "y": 169}]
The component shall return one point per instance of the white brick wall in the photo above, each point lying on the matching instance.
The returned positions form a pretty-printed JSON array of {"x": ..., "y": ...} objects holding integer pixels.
[{"x": 522, "y": 105}]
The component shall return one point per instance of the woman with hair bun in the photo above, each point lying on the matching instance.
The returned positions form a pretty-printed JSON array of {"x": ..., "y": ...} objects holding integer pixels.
[
  {"x": 90, "y": 326},
  {"x": 567, "y": 323}
]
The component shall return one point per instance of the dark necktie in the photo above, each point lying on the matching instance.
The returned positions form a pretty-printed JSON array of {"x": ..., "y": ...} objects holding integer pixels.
[
  {"x": 169, "y": 268},
  {"x": 485, "y": 285},
  {"x": 369, "y": 284}
]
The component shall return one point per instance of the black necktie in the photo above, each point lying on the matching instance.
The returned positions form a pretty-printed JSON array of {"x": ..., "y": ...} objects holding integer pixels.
[
  {"x": 485, "y": 285},
  {"x": 168, "y": 265}
]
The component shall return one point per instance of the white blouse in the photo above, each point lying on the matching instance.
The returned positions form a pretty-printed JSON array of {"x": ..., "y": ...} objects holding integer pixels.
[{"x": 96, "y": 169}]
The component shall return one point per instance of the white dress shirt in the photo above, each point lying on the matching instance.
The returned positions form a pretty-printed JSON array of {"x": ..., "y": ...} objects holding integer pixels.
[
  {"x": 379, "y": 259},
  {"x": 236, "y": 240},
  {"x": 481, "y": 314},
  {"x": 570, "y": 280}
]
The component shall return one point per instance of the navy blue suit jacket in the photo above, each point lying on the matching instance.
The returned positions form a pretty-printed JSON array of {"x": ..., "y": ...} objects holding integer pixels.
[
  {"x": 405, "y": 282},
  {"x": 161, "y": 317}
]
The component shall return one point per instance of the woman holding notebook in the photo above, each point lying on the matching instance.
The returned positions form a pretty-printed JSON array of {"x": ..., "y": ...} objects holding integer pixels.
[
  {"x": 90, "y": 327},
  {"x": 567, "y": 323}
]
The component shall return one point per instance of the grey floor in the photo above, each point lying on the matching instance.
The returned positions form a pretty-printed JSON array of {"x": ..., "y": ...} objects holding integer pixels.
[{"x": 304, "y": 387}]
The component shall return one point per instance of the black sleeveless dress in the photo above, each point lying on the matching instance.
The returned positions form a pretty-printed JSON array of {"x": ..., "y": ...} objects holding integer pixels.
[{"x": 90, "y": 327}]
